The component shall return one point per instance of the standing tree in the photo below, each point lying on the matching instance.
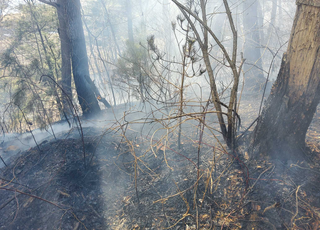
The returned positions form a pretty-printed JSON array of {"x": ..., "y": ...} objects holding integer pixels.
[
  {"x": 69, "y": 13},
  {"x": 65, "y": 56},
  {"x": 80, "y": 67},
  {"x": 29, "y": 53},
  {"x": 289, "y": 110}
]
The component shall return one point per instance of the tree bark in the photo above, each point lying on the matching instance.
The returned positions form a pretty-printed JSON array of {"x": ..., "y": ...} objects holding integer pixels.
[
  {"x": 65, "y": 57},
  {"x": 73, "y": 46},
  {"x": 80, "y": 67},
  {"x": 282, "y": 127}
]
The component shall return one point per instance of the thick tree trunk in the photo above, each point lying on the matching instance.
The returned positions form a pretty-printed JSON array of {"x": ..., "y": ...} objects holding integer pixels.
[
  {"x": 80, "y": 67},
  {"x": 73, "y": 46},
  {"x": 65, "y": 58},
  {"x": 282, "y": 128}
]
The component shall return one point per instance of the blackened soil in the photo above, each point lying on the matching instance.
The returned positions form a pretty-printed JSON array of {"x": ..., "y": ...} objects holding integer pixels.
[
  {"x": 54, "y": 189},
  {"x": 118, "y": 182}
]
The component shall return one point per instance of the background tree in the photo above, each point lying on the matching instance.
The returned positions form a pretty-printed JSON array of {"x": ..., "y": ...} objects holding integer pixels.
[
  {"x": 30, "y": 52},
  {"x": 252, "y": 27},
  {"x": 3, "y": 7},
  {"x": 88, "y": 94}
]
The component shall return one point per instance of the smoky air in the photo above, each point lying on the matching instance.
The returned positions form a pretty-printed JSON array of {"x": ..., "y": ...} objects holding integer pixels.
[{"x": 163, "y": 114}]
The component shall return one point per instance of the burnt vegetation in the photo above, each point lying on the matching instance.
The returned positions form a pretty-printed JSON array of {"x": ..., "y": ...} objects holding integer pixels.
[{"x": 205, "y": 116}]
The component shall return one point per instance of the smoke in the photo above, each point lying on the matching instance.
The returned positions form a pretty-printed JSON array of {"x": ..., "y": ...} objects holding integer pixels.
[{"x": 134, "y": 115}]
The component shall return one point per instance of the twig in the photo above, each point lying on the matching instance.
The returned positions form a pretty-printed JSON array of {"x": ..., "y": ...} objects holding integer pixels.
[
  {"x": 238, "y": 138},
  {"x": 76, "y": 113},
  {"x": 36, "y": 197},
  {"x": 30, "y": 131},
  {"x": 267, "y": 79},
  {"x": 188, "y": 208},
  {"x": 15, "y": 216},
  {"x": 14, "y": 182},
  {"x": 3, "y": 161},
  {"x": 297, "y": 206}
]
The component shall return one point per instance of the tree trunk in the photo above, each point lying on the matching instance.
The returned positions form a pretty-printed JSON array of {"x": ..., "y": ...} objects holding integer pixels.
[
  {"x": 65, "y": 58},
  {"x": 252, "y": 68},
  {"x": 129, "y": 15},
  {"x": 80, "y": 67},
  {"x": 273, "y": 16},
  {"x": 282, "y": 128}
]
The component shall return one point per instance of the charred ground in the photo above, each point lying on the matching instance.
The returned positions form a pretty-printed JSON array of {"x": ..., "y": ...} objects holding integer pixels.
[{"x": 134, "y": 181}]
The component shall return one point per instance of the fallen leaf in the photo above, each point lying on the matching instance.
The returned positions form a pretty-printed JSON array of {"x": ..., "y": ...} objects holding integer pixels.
[
  {"x": 12, "y": 148},
  {"x": 204, "y": 216},
  {"x": 63, "y": 193},
  {"x": 246, "y": 156},
  {"x": 28, "y": 202}
]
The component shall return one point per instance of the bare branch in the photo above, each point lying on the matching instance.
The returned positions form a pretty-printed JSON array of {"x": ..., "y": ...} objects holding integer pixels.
[
  {"x": 192, "y": 25},
  {"x": 50, "y": 2},
  {"x": 207, "y": 28},
  {"x": 234, "y": 32}
]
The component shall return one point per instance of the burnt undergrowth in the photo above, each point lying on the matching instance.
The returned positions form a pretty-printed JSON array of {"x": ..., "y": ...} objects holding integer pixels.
[{"x": 136, "y": 181}]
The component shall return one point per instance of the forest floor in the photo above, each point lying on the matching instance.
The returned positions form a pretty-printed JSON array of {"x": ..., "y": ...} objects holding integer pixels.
[{"x": 136, "y": 181}]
